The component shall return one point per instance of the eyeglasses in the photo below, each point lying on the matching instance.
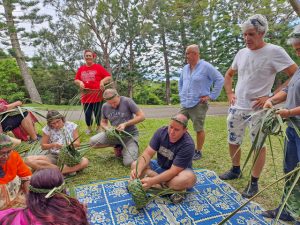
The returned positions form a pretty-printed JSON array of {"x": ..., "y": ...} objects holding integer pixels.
[
  {"x": 5, "y": 154},
  {"x": 255, "y": 21}
]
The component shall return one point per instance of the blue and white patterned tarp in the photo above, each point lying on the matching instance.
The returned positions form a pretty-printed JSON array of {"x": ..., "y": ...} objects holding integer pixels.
[{"x": 110, "y": 203}]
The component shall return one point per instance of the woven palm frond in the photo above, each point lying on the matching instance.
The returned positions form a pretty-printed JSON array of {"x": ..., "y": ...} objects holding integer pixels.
[
  {"x": 71, "y": 156},
  {"x": 113, "y": 134},
  {"x": 139, "y": 195}
]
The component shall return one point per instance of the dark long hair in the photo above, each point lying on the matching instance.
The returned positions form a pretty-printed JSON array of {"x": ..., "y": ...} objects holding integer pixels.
[{"x": 58, "y": 209}]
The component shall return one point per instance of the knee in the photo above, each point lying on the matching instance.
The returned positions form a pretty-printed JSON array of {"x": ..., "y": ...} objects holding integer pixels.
[
  {"x": 128, "y": 162},
  {"x": 84, "y": 162}
]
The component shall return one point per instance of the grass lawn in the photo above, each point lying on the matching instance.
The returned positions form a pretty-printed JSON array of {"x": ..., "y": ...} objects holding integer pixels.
[{"x": 104, "y": 165}]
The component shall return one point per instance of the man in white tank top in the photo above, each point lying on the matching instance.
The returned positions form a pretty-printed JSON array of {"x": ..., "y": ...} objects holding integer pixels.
[{"x": 256, "y": 67}]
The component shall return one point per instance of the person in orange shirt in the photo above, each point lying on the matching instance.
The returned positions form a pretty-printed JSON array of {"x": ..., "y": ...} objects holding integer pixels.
[{"x": 14, "y": 174}]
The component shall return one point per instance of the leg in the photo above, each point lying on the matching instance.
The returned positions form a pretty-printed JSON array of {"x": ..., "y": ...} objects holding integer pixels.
[
  {"x": 260, "y": 162},
  {"x": 236, "y": 124},
  {"x": 97, "y": 113},
  {"x": 185, "y": 179},
  {"x": 83, "y": 164},
  {"x": 200, "y": 139},
  {"x": 38, "y": 162},
  {"x": 101, "y": 141},
  {"x": 131, "y": 153},
  {"x": 88, "y": 110},
  {"x": 198, "y": 114},
  {"x": 235, "y": 154},
  {"x": 28, "y": 126}
]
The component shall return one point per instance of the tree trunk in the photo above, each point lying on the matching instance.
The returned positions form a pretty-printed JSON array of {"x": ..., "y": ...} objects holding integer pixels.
[
  {"x": 167, "y": 67},
  {"x": 296, "y": 6},
  {"x": 131, "y": 71},
  {"x": 29, "y": 83}
]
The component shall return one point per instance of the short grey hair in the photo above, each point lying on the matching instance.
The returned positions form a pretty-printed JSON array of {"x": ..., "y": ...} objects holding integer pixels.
[
  {"x": 257, "y": 21},
  {"x": 294, "y": 37},
  {"x": 194, "y": 47},
  {"x": 110, "y": 93}
]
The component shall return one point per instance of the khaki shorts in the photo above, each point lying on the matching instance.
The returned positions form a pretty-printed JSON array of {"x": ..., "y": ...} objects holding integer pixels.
[{"x": 197, "y": 114}]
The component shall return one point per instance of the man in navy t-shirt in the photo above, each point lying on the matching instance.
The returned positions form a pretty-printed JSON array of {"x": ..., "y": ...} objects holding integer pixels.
[{"x": 175, "y": 149}]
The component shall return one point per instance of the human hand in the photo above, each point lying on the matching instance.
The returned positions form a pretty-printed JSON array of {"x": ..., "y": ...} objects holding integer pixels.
[
  {"x": 147, "y": 182},
  {"x": 268, "y": 104},
  {"x": 121, "y": 126},
  {"x": 284, "y": 113},
  {"x": 259, "y": 102},
  {"x": 204, "y": 99},
  {"x": 81, "y": 85},
  {"x": 102, "y": 87},
  {"x": 57, "y": 145},
  {"x": 133, "y": 174},
  {"x": 231, "y": 98},
  {"x": 19, "y": 103}
]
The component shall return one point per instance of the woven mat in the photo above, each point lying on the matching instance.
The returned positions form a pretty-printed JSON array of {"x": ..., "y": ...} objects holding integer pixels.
[{"x": 110, "y": 203}]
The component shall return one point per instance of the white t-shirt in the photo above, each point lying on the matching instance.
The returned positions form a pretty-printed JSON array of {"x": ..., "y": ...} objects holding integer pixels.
[
  {"x": 61, "y": 136},
  {"x": 256, "y": 72}
]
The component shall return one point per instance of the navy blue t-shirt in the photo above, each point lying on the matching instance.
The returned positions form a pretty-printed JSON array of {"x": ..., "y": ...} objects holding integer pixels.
[{"x": 179, "y": 153}]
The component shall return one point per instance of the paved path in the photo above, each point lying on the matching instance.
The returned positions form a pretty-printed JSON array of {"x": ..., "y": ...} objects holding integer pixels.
[{"x": 154, "y": 112}]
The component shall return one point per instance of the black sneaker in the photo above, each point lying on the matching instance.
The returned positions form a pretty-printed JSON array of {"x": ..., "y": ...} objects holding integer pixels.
[
  {"x": 197, "y": 155},
  {"x": 285, "y": 216},
  {"x": 230, "y": 175},
  {"x": 250, "y": 190},
  {"x": 177, "y": 198}
]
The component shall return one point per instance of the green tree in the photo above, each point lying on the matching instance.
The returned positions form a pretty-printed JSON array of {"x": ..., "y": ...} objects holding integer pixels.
[
  {"x": 16, "y": 35},
  {"x": 11, "y": 85}
]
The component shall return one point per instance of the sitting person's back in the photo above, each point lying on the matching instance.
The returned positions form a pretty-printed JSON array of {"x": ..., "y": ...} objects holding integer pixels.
[{"x": 46, "y": 203}]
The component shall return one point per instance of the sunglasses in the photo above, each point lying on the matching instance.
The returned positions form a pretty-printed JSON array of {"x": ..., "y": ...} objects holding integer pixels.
[{"x": 254, "y": 22}]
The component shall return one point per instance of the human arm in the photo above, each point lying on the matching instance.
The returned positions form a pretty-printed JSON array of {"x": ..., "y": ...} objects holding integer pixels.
[
  {"x": 46, "y": 145},
  {"x": 79, "y": 83},
  {"x": 139, "y": 117},
  {"x": 14, "y": 105},
  {"x": 218, "y": 81},
  {"x": 289, "y": 71},
  {"x": 105, "y": 81},
  {"x": 76, "y": 143},
  {"x": 286, "y": 113},
  {"x": 276, "y": 99},
  {"x": 228, "y": 85},
  {"x": 143, "y": 162},
  {"x": 104, "y": 124}
]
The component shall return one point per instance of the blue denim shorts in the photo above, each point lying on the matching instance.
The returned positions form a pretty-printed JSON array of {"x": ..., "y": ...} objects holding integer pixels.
[{"x": 155, "y": 167}]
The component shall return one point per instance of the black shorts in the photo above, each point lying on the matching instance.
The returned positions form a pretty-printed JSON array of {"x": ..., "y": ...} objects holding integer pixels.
[{"x": 12, "y": 122}]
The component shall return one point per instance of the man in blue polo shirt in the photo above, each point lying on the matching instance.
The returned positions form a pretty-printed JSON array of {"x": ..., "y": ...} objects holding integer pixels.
[
  {"x": 173, "y": 168},
  {"x": 196, "y": 80}
]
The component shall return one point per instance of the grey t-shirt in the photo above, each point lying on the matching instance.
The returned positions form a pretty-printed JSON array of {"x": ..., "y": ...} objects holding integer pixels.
[
  {"x": 124, "y": 112},
  {"x": 293, "y": 95}
]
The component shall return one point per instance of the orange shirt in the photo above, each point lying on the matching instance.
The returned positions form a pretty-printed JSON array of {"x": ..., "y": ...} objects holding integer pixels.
[{"x": 13, "y": 167}]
